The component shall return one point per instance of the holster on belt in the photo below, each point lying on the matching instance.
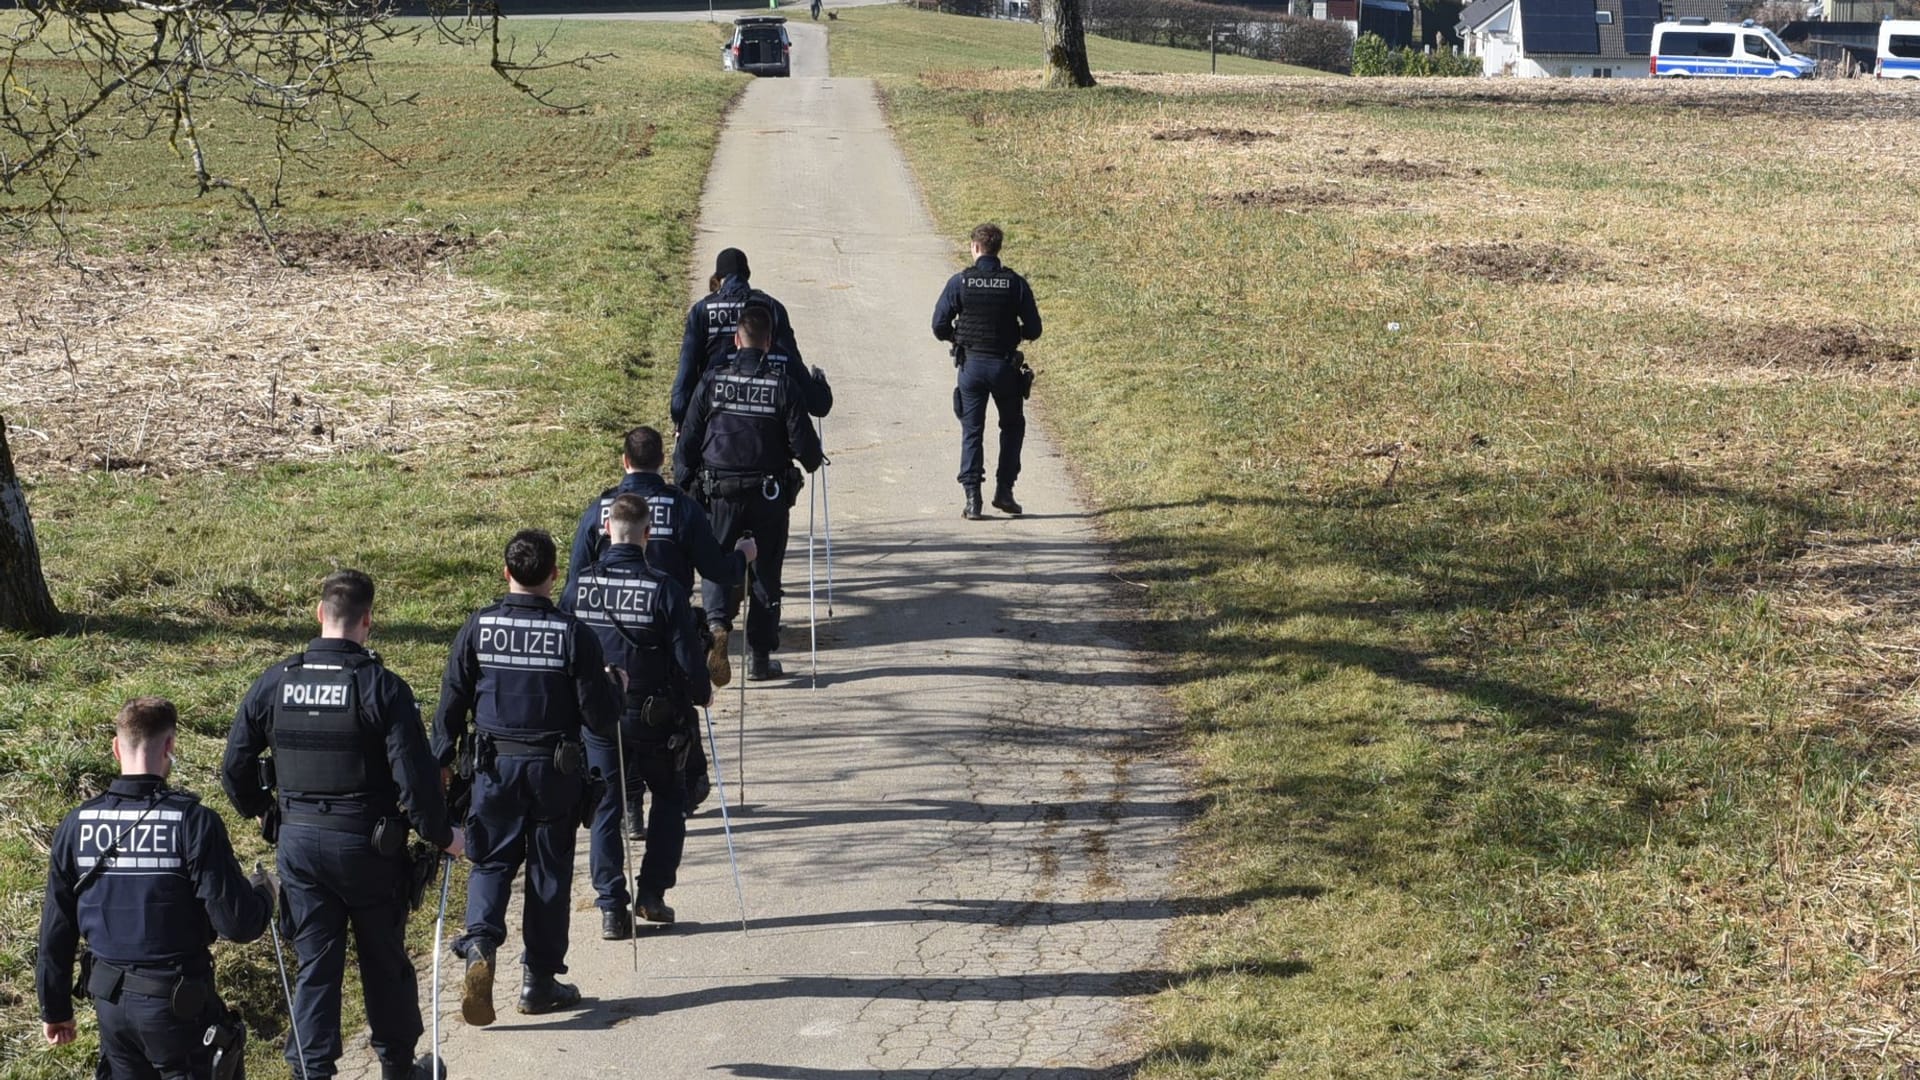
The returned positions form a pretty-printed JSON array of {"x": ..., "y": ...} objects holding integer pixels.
[{"x": 187, "y": 997}]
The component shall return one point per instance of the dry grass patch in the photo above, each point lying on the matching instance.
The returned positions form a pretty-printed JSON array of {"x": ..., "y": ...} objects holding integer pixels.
[{"x": 224, "y": 360}]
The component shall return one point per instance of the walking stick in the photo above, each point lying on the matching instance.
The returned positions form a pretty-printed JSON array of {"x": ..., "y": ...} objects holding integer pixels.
[
  {"x": 286, "y": 988},
  {"x": 726, "y": 820},
  {"x": 813, "y": 616},
  {"x": 746, "y": 604},
  {"x": 439, "y": 937},
  {"x": 826, "y": 513},
  {"x": 632, "y": 880}
]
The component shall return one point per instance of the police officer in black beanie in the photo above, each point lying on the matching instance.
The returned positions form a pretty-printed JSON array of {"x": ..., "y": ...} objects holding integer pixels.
[
  {"x": 986, "y": 311},
  {"x": 745, "y": 427},
  {"x": 147, "y": 876},
  {"x": 712, "y": 323},
  {"x": 534, "y": 680},
  {"x": 349, "y": 776}
]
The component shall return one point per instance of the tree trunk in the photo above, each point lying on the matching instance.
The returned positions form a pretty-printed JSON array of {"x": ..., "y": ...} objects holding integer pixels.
[
  {"x": 24, "y": 603},
  {"x": 1065, "y": 24}
]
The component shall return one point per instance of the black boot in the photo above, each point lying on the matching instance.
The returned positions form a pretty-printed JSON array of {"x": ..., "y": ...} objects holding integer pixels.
[
  {"x": 1003, "y": 499},
  {"x": 972, "y": 511},
  {"x": 476, "y": 997},
  {"x": 544, "y": 993},
  {"x": 419, "y": 1070},
  {"x": 653, "y": 907},
  {"x": 635, "y": 823},
  {"x": 763, "y": 667},
  {"x": 615, "y": 925}
]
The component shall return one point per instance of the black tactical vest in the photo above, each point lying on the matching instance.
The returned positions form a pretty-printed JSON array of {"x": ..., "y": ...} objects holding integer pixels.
[
  {"x": 320, "y": 746},
  {"x": 989, "y": 305},
  {"x": 140, "y": 907},
  {"x": 625, "y": 607},
  {"x": 723, "y": 322},
  {"x": 526, "y": 687},
  {"x": 747, "y": 419}
]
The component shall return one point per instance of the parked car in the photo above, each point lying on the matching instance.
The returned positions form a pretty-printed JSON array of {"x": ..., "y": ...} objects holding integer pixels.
[
  {"x": 760, "y": 46},
  {"x": 1747, "y": 50},
  {"x": 1899, "y": 54}
]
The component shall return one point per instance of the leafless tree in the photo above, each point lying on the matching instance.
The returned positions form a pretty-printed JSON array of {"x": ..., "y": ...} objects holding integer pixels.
[
  {"x": 1065, "y": 24},
  {"x": 83, "y": 77}
]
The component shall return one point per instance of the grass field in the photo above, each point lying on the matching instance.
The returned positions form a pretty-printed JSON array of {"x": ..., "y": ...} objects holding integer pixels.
[
  {"x": 188, "y": 581},
  {"x": 891, "y": 39},
  {"x": 1523, "y": 481}
]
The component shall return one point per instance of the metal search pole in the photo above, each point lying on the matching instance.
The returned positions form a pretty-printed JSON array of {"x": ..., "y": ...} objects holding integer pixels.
[
  {"x": 726, "y": 820},
  {"x": 439, "y": 939},
  {"x": 286, "y": 989}
]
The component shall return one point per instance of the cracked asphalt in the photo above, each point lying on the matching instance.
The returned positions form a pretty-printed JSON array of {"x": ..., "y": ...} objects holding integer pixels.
[{"x": 957, "y": 850}]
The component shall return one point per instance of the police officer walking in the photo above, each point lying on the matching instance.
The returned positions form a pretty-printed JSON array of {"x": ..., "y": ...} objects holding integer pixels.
[
  {"x": 986, "y": 311},
  {"x": 645, "y": 622},
  {"x": 713, "y": 322},
  {"x": 532, "y": 679},
  {"x": 680, "y": 540},
  {"x": 147, "y": 876},
  {"x": 744, "y": 429},
  {"x": 352, "y": 772}
]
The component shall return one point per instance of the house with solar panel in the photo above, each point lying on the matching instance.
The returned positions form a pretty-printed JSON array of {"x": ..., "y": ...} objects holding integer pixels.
[{"x": 1606, "y": 39}]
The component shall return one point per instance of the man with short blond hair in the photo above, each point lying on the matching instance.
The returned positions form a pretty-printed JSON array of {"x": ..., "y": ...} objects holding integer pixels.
[{"x": 147, "y": 876}]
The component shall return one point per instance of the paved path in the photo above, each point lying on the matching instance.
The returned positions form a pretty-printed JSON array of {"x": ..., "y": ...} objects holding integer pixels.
[{"x": 957, "y": 849}]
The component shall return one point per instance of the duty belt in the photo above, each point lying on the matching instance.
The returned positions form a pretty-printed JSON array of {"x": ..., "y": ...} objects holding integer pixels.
[
  {"x": 346, "y": 823},
  {"x": 514, "y": 746},
  {"x": 107, "y": 981}
]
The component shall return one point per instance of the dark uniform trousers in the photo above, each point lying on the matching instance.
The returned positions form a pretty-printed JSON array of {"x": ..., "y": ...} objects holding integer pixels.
[
  {"x": 983, "y": 378},
  {"x": 767, "y": 520},
  {"x": 525, "y": 810},
  {"x": 141, "y": 1038},
  {"x": 332, "y": 879},
  {"x": 662, "y": 772}
]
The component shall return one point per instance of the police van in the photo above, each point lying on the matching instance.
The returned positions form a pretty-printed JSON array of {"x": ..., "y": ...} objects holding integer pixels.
[
  {"x": 1899, "y": 54},
  {"x": 1699, "y": 48}
]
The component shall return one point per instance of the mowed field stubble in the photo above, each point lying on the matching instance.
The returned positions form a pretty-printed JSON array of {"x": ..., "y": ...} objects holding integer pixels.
[{"x": 1523, "y": 481}]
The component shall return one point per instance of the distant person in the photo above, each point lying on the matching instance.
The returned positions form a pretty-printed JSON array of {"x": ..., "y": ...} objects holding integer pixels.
[
  {"x": 350, "y": 775},
  {"x": 534, "y": 682},
  {"x": 986, "y": 311},
  {"x": 745, "y": 428},
  {"x": 146, "y": 875}
]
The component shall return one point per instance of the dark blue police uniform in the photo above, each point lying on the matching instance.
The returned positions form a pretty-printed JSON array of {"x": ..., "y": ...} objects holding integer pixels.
[
  {"x": 745, "y": 428},
  {"x": 679, "y": 540},
  {"x": 353, "y": 772},
  {"x": 988, "y": 310},
  {"x": 680, "y": 536},
  {"x": 645, "y": 623},
  {"x": 532, "y": 678},
  {"x": 708, "y": 338},
  {"x": 147, "y": 876},
  {"x": 816, "y": 394}
]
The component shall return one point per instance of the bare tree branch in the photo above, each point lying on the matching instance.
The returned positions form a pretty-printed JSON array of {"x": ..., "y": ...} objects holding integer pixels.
[{"x": 82, "y": 78}]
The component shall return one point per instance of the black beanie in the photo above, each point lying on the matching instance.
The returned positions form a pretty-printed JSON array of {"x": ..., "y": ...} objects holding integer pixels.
[{"x": 732, "y": 263}]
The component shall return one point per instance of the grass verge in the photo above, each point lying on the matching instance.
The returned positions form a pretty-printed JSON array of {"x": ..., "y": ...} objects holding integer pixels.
[
  {"x": 188, "y": 583},
  {"x": 1521, "y": 478}
]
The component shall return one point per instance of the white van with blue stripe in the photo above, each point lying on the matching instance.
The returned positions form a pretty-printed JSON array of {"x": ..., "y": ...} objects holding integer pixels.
[
  {"x": 1697, "y": 48},
  {"x": 1899, "y": 54}
]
